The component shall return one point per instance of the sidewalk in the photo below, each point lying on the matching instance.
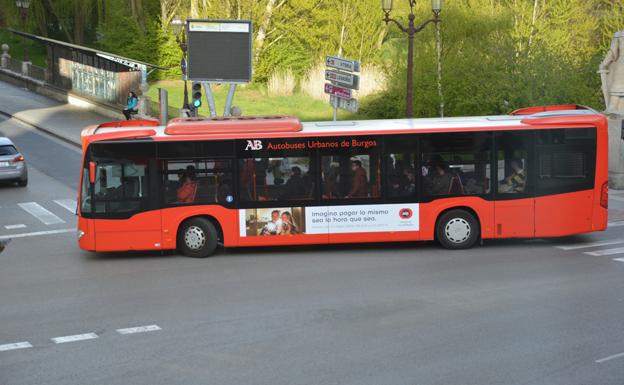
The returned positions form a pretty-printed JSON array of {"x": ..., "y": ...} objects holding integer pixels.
[{"x": 58, "y": 119}]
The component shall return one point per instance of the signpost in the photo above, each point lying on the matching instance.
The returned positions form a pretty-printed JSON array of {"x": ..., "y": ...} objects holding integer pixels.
[{"x": 342, "y": 80}]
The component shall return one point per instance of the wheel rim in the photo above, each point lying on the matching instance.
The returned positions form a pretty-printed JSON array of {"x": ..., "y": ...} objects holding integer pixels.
[
  {"x": 194, "y": 238},
  {"x": 457, "y": 230}
]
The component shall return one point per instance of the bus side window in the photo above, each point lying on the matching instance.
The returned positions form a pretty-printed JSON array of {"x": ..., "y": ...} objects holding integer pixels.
[
  {"x": 197, "y": 181},
  {"x": 456, "y": 164},
  {"x": 276, "y": 178},
  {"x": 401, "y": 166},
  {"x": 351, "y": 176},
  {"x": 512, "y": 162}
]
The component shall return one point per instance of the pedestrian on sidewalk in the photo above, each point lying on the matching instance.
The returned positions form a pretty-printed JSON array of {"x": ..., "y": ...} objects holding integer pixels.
[{"x": 132, "y": 105}]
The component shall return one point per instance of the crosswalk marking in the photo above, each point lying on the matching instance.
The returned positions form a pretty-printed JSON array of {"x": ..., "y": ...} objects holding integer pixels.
[
  {"x": 45, "y": 216},
  {"x": 591, "y": 244},
  {"x": 69, "y": 204},
  {"x": 619, "y": 259},
  {"x": 618, "y": 250}
]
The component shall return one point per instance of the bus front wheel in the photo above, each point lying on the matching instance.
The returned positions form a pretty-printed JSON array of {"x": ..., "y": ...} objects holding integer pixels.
[
  {"x": 457, "y": 229},
  {"x": 197, "y": 238}
]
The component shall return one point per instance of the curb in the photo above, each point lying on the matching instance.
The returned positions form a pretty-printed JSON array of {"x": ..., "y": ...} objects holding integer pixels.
[{"x": 43, "y": 129}]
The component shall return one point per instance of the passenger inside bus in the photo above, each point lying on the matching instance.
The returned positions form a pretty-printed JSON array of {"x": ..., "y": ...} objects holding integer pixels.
[
  {"x": 188, "y": 188},
  {"x": 516, "y": 181},
  {"x": 359, "y": 182}
]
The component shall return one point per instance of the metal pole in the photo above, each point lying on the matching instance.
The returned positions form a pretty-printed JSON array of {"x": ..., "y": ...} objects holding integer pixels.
[
  {"x": 23, "y": 16},
  {"x": 409, "y": 108},
  {"x": 439, "y": 49},
  {"x": 335, "y": 105},
  {"x": 185, "y": 105},
  {"x": 211, "y": 101},
  {"x": 163, "y": 97},
  {"x": 228, "y": 101}
]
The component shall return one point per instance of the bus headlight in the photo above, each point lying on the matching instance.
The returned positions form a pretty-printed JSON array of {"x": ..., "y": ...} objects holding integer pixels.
[{"x": 80, "y": 234}]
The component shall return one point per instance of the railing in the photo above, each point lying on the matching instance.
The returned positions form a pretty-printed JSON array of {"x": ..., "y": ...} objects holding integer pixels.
[
  {"x": 38, "y": 73},
  {"x": 15, "y": 65},
  {"x": 35, "y": 72}
]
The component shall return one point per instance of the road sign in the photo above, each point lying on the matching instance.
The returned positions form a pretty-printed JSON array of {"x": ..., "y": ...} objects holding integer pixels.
[
  {"x": 350, "y": 105},
  {"x": 338, "y": 91},
  {"x": 342, "y": 64},
  {"x": 343, "y": 78}
]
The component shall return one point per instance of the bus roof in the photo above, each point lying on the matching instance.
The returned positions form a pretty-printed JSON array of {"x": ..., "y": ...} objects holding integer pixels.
[{"x": 271, "y": 127}]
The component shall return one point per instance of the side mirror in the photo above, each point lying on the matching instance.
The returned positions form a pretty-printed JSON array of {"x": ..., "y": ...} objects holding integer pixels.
[{"x": 92, "y": 172}]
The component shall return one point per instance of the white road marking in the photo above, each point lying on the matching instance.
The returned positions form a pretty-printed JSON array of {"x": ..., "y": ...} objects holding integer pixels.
[
  {"x": 23, "y": 235},
  {"x": 17, "y": 345},
  {"x": 615, "y": 224},
  {"x": 610, "y": 358},
  {"x": 139, "y": 329},
  {"x": 69, "y": 204},
  {"x": 45, "y": 216},
  {"x": 74, "y": 338},
  {"x": 591, "y": 244},
  {"x": 619, "y": 250},
  {"x": 13, "y": 227}
]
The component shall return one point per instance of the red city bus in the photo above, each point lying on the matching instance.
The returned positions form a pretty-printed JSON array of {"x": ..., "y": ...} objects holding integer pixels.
[{"x": 250, "y": 181}]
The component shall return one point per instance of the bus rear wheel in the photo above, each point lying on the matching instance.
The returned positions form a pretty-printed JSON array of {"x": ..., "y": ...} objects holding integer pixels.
[
  {"x": 457, "y": 229},
  {"x": 197, "y": 238}
]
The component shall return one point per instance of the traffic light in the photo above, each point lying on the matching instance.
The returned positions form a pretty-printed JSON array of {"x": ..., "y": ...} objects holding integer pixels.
[{"x": 197, "y": 95}]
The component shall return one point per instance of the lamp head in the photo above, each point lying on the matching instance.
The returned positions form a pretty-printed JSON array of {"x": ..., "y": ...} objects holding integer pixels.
[
  {"x": 436, "y": 5},
  {"x": 386, "y": 5},
  {"x": 177, "y": 24}
]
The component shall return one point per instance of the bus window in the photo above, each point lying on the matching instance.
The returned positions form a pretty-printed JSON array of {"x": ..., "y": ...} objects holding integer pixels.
[
  {"x": 566, "y": 160},
  {"x": 351, "y": 176},
  {"x": 401, "y": 166},
  {"x": 456, "y": 164},
  {"x": 121, "y": 178},
  {"x": 512, "y": 149},
  {"x": 276, "y": 178},
  {"x": 198, "y": 181}
]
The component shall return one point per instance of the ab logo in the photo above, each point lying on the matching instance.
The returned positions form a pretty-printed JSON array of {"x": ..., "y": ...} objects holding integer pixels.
[{"x": 253, "y": 145}]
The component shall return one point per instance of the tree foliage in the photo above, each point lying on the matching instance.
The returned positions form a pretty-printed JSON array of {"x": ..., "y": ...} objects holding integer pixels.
[{"x": 497, "y": 54}]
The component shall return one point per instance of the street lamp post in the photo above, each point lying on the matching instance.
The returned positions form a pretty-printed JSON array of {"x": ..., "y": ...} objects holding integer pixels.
[
  {"x": 23, "y": 5},
  {"x": 180, "y": 34},
  {"x": 411, "y": 30}
]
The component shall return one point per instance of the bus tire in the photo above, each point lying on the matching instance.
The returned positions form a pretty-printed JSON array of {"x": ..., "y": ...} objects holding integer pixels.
[
  {"x": 197, "y": 238},
  {"x": 457, "y": 229}
]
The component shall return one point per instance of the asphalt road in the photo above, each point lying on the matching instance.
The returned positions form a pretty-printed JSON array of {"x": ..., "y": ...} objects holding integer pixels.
[{"x": 512, "y": 312}]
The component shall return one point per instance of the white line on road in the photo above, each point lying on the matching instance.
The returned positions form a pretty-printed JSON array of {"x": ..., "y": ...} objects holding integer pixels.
[
  {"x": 13, "y": 227},
  {"x": 609, "y": 358},
  {"x": 69, "y": 204},
  {"x": 139, "y": 329},
  {"x": 74, "y": 338},
  {"x": 591, "y": 244},
  {"x": 23, "y": 235},
  {"x": 619, "y": 250},
  {"x": 615, "y": 224},
  {"x": 40, "y": 213},
  {"x": 17, "y": 345},
  {"x": 619, "y": 259}
]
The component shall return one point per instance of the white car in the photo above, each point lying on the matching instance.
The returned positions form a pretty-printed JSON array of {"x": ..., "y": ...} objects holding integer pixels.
[{"x": 12, "y": 163}]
